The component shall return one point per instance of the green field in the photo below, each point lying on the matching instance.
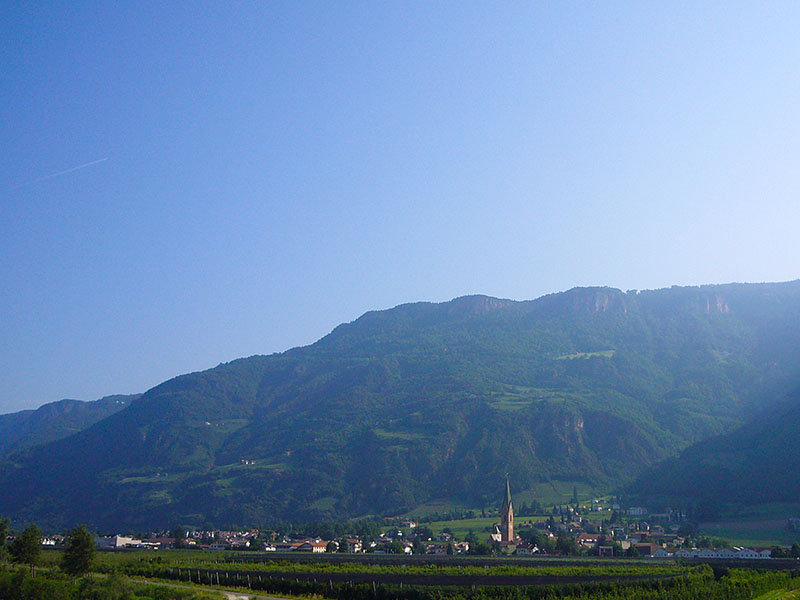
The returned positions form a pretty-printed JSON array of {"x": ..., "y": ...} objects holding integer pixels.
[
  {"x": 546, "y": 493},
  {"x": 759, "y": 525},
  {"x": 397, "y": 435},
  {"x": 558, "y": 492},
  {"x": 461, "y": 527},
  {"x": 780, "y": 595},
  {"x": 751, "y": 533},
  {"x": 603, "y": 353},
  {"x": 510, "y": 403}
]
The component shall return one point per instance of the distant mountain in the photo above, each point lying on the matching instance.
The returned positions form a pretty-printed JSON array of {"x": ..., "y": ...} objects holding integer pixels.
[
  {"x": 426, "y": 401},
  {"x": 756, "y": 463},
  {"x": 55, "y": 420}
]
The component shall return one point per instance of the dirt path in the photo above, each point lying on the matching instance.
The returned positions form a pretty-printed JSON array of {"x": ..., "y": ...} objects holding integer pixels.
[{"x": 227, "y": 593}]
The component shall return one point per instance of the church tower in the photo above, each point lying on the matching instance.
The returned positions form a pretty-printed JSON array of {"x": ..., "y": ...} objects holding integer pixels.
[{"x": 507, "y": 517}]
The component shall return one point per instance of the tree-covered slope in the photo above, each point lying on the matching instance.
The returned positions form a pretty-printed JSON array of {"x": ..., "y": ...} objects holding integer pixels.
[
  {"x": 756, "y": 463},
  {"x": 426, "y": 401},
  {"x": 55, "y": 420}
]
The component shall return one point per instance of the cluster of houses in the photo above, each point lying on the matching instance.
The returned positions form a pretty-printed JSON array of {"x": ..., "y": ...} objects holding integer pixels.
[
  {"x": 204, "y": 540},
  {"x": 392, "y": 541},
  {"x": 652, "y": 544},
  {"x": 657, "y": 538},
  {"x": 642, "y": 538},
  {"x": 724, "y": 553}
]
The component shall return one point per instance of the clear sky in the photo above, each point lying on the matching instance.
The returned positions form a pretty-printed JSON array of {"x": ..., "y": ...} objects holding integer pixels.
[{"x": 183, "y": 184}]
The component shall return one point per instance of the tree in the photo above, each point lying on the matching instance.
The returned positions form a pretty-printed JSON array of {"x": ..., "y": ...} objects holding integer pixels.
[
  {"x": 795, "y": 550},
  {"x": 79, "y": 552},
  {"x": 27, "y": 547},
  {"x": 332, "y": 547},
  {"x": 688, "y": 529},
  {"x": 480, "y": 549},
  {"x": 780, "y": 552},
  {"x": 3, "y": 536},
  {"x": 179, "y": 533},
  {"x": 566, "y": 545}
]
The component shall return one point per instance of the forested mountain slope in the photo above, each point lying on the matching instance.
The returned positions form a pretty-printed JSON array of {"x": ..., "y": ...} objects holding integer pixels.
[
  {"x": 55, "y": 420},
  {"x": 426, "y": 401},
  {"x": 756, "y": 463}
]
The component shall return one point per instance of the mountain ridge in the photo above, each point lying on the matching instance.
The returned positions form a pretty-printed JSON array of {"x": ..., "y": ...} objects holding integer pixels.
[
  {"x": 55, "y": 420},
  {"x": 426, "y": 400}
]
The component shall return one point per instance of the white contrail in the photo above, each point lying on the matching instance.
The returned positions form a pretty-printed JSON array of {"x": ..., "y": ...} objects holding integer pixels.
[{"x": 64, "y": 172}]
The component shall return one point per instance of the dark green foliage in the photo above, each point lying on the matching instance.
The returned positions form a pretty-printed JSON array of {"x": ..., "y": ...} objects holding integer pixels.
[
  {"x": 79, "y": 552},
  {"x": 27, "y": 547},
  {"x": 425, "y": 401},
  {"x": 479, "y": 549},
  {"x": 3, "y": 539},
  {"x": 756, "y": 463},
  {"x": 49, "y": 586},
  {"x": 55, "y": 420},
  {"x": 179, "y": 533}
]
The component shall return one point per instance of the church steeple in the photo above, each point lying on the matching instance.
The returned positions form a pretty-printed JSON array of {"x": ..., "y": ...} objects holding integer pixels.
[{"x": 507, "y": 516}]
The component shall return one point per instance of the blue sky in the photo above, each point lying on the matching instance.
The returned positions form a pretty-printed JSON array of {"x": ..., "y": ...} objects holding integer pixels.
[{"x": 274, "y": 169}]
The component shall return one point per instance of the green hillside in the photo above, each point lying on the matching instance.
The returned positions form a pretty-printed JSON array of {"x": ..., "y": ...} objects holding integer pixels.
[
  {"x": 757, "y": 463},
  {"x": 426, "y": 401},
  {"x": 55, "y": 420}
]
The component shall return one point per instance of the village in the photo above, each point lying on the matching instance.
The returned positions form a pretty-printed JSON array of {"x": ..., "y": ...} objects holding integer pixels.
[{"x": 567, "y": 530}]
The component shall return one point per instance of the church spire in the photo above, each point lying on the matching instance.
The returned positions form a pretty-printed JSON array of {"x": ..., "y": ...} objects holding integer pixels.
[{"x": 507, "y": 516}]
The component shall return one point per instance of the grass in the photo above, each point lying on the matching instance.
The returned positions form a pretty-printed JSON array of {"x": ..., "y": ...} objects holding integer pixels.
[
  {"x": 603, "y": 353},
  {"x": 155, "y": 478},
  {"x": 515, "y": 397},
  {"x": 780, "y": 595},
  {"x": 257, "y": 465},
  {"x": 758, "y": 512},
  {"x": 160, "y": 497},
  {"x": 752, "y": 533},
  {"x": 462, "y": 527},
  {"x": 224, "y": 425},
  {"x": 758, "y": 525},
  {"x": 558, "y": 492},
  {"x": 510, "y": 403},
  {"x": 547, "y": 494},
  {"x": 324, "y": 503},
  {"x": 398, "y": 435},
  {"x": 440, "y": 505}
]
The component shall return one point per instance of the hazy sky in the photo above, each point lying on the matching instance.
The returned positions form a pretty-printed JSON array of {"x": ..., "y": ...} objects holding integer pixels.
[{"x": 185, "y": 184}]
